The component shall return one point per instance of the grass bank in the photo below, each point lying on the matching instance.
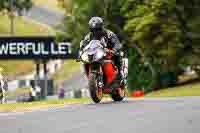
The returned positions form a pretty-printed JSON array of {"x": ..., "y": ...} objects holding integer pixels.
[
  {"x": 23, "y": 27},
  {"x": 13, "y": 107},
  {"x": 185, "y": 90}
]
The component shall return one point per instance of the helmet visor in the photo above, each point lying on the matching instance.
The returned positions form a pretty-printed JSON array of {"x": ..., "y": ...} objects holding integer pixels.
[{"x": 96, "y": 30}]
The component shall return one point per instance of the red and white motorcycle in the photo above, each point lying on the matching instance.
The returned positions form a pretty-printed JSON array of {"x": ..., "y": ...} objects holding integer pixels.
[{"x": 103, "y": 75}]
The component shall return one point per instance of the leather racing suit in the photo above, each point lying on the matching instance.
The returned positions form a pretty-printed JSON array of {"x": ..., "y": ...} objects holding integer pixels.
[{"x": 112, "y": 42}]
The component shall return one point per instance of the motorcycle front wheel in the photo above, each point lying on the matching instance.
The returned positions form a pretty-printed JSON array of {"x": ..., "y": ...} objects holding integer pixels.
[
  {"x": 118, "y": 94},
  {"x": 95, "y": 92}
]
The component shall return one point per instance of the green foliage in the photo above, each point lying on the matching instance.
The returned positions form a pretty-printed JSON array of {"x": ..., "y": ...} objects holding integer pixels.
[
  {"x": 163, "y": 30},
  {"x": 151, "y": 26},
  {"x": 188, "y": 14},
  {"x": 140, "y": 73},
  {"x": 76, "y": 21},
  {"x": 18, "y": 5}
]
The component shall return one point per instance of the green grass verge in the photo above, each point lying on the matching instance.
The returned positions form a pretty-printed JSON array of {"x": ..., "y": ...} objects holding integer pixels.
[
  {"x": 19, "y": 91},
  {"x": 185, "y": 90},
  {"x": 40, "y": 104},
  {"x": 69, "y": 68},
  {"x": 23, "y": 27}
]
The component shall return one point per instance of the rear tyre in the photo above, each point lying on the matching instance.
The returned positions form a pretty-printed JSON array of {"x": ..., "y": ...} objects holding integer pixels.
[
  {"x": 95, "y": 93},
  {"x": 118, "y": 94}
]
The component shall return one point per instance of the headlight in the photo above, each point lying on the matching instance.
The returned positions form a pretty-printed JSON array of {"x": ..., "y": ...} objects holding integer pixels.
[
  {"x": 85, "y": 57},
  {"x": 99, "y": 54}
]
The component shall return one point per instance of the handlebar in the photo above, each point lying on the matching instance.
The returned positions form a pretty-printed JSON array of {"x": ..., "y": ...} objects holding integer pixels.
[{"x": 117, "y": 53}]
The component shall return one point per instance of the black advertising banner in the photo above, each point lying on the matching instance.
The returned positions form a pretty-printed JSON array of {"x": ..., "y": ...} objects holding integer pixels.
[{"x": 33, "y": 48}]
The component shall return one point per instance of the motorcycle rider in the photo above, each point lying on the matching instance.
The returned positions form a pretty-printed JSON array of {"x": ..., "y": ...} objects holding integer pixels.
[{"x": 110, "y": 39}]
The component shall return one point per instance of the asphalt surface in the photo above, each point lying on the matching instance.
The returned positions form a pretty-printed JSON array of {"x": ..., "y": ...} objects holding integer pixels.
[
  {"x": 45, "y": 16},
  {"x": 167, "y": 115}
]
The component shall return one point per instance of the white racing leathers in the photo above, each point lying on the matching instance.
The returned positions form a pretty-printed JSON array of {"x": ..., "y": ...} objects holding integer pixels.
[
  {"x": 124, "y": 67},
  {"x": 124, "y": 70}
]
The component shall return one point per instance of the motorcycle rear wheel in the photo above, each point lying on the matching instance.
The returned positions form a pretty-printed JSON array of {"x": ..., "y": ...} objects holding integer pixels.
[{"x": 95, "y": 93}]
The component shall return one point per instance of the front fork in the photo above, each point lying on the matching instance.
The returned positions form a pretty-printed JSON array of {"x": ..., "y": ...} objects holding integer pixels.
[
  {"x": 99, "y": 73},
  {"x": 98, "y": 70}
]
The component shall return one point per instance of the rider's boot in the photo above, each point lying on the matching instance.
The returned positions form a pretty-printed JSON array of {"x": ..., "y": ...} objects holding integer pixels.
[
  {"x": 3, "y": 100},
  {"x": 123, "y": 69}
]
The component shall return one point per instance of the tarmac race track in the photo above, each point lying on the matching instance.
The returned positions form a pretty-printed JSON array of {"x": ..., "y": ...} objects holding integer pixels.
[
  {"x": 45, "y": 16},
  {"x": 166, "y": 115}
]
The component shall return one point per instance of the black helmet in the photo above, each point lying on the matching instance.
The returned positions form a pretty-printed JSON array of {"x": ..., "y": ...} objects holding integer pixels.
[{"x": 96, "y": 24}]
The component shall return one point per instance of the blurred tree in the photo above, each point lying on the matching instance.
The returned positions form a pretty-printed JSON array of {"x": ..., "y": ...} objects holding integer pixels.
[
  {"x": 10, "y": 7},
  {"x": 66, "y": 5},
  {"x": 80, "y": 11},
  {"x": 162, "y": 29},
  {"x": 189, "y": 18}
]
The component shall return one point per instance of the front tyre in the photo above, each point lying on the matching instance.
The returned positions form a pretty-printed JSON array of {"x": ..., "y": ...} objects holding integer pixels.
[
  {"x": 118, "y": 94},
  {"x": 95, "y": 93}
]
